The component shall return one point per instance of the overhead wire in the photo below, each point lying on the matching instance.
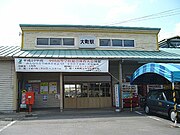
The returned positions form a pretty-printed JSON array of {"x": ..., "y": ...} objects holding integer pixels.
[{"x": 166, "y": 13}]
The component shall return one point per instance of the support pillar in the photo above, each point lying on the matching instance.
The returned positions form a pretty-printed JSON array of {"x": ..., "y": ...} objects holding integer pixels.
[
  {"x": 61, "y": 92},
  {"x": 175, "y": 103},
  {"x": 120, "y": 83}
]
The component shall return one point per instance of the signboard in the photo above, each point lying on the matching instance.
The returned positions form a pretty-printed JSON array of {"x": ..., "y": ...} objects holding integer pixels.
[
  {"x": 127, "y": 87},
  {"x": 52, "y": 87},
  {"x": 60, "y": 65},
  {"x": 155, "y": 87},
  {"x": 45, "y": 98},
  {"x": 87, "y": 42},
  {"x": 44, "y": 87},
  {"x": 35, "y": 87},
  {"x": 117, "y": 96}
]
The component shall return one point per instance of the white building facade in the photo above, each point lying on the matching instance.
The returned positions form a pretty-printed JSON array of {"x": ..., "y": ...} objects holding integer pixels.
[{"x": 75, "y": 66}]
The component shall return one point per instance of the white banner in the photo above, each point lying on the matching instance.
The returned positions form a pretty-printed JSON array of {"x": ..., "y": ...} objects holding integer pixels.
[
  {"x": 117, "y": 95},
  {"x": 60, "y": 65}
]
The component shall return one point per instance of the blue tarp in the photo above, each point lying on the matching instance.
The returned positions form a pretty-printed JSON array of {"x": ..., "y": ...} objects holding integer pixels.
[{"x": 169, "y": 71}]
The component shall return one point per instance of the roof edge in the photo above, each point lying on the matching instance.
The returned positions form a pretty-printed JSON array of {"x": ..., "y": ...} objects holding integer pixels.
[{"x": 88, "y": 26}]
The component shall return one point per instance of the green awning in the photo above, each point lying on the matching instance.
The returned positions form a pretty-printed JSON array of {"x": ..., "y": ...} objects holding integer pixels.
[{"x": 161, "y": 55}]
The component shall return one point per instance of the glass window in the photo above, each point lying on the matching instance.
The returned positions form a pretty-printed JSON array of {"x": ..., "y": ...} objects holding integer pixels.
[
  {"x": 94, "y": 89},
  {"x": 160, "y": 96},
  {"x": 128, "y": 43},
  {"x": 153, "y": 95},
  {"x": 83, "y": 91},
  {"x": 70, "y": 91},
  {"x": 68, "y": 41},
  {"x": 55, "y": 41},
  {"x": 169, "y": 95},
  {"x": 105, "y": 90},
  {"x": 105, "y": 42},
  {"x": 116, "y": 42},
  {"x": 42, "y": 41}
]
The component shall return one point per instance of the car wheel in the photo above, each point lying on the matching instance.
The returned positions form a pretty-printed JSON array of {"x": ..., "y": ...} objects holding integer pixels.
[
  {"x": 172, "y": 115},
  {"x": 147, "y": 109}
]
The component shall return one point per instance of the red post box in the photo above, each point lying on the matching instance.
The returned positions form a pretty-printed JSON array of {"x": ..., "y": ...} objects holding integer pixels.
[{"x": 30, "y": 100}]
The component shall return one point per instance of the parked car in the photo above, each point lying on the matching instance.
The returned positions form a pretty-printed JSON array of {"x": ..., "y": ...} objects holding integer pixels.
[
  {"x": 127, "y": 98},
  {"x": 161, "y": 101}
]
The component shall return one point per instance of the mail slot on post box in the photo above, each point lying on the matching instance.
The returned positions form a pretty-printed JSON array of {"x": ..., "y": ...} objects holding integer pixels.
[{"x": 29, "y": 98}]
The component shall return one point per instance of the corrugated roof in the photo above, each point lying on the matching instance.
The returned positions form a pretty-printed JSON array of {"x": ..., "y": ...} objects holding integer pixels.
[
  {"x": 163, "y": 54},
  {"x": 171, "y": 50}
]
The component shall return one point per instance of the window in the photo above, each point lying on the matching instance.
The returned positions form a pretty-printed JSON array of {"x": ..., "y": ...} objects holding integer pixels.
[
  {"x": 87, "y": 90},
  {"x": 160, "y": 96},
  {"x": 105, "y": 90},
  {"x": 82, "y": 90},
  {"x": 105, "y": 42},
  {"x": 128, "y": 43},
  {"x": 68, "y": 41},
  {"x": 55, "y": 41},
  {"x": 70, "y": 91},
  {"x": 153, "y": 95},
  {"x": 94, "y": 90},
  {"x": 116, "y": 42},
  {"x": 42, "y": 41}
]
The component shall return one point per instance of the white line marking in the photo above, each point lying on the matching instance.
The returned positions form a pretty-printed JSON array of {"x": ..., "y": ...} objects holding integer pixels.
[
  {"x": 8, "y": 125},
  {"x": 154, "y": 118},
  {"x": 138, "y": 112}
]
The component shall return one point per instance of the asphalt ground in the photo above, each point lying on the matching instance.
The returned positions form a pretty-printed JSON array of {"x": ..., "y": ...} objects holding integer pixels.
[{"x": 89, "y": 122}]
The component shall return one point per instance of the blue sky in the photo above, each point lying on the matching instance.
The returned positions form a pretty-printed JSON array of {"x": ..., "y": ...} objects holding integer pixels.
[{"x": 85, "y": 12}]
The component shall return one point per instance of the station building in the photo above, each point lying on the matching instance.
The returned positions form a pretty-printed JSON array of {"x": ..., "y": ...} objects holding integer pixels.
[{"x": 76, "y": 66}]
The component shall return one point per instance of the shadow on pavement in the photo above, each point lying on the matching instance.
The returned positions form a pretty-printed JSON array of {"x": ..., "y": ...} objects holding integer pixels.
[{"x": 79, "y": 113}]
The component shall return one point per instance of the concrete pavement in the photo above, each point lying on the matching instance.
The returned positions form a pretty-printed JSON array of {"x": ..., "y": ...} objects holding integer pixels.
[
  {"x": 89, "y": 122},
  {"x": 50, "y": 113}
]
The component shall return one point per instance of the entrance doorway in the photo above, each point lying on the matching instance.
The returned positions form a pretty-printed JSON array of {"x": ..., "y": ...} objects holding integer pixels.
[{"x": 87, "y": 95}]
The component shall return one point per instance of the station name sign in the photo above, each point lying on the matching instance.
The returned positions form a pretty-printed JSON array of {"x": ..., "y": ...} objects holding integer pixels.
[
  {"x": 87, "y": 42},
  {"x": 60, "y": 65}
]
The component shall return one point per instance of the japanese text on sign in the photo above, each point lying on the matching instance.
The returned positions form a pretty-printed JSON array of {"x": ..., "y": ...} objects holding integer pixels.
[
  {"x": 60, "y": 65},
  {"x": 87, "y": 42}
]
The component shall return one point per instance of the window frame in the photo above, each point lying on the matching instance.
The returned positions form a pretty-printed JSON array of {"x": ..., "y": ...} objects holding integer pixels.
[
  {"x": 68, "y": 44},
  {"x": 54, "y": 45},
  {"x": 111, "y": 43},
  {"x": 128, "y": 40},
  {"x": 41, "y": 39},
  {"x": 116, "y": 45}
]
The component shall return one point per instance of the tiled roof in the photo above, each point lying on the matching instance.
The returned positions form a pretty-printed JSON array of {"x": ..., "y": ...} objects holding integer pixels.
[{"x": 163, "y": 54}]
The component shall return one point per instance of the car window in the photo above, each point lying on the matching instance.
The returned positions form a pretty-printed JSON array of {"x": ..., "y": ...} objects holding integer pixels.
[
  {"x": 153, "y": 95},
  {"x": 156, "y": 95},
  {"x": 160, "y": 96},
  {"x": 169, "y": 95},
  {"x": 178, "y": 94}
]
